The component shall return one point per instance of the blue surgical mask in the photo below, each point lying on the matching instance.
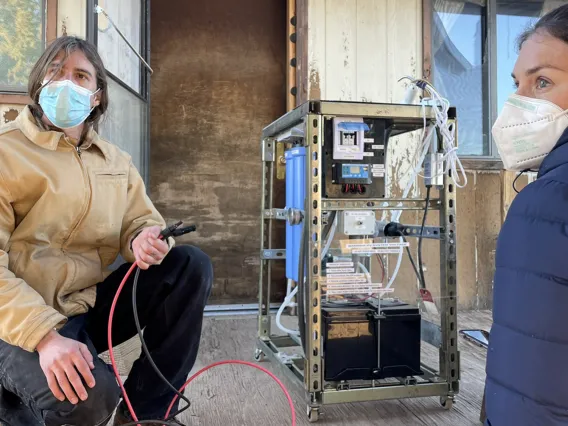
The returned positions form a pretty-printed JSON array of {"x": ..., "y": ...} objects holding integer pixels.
[{"x": 65, "y": 104}]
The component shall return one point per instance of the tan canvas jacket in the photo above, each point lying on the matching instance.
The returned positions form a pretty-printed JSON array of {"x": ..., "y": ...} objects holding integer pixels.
[{"x": 65, "y": 214}]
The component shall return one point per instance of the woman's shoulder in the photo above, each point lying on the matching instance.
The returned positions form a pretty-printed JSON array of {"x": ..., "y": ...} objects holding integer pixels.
[{"x": 545, "y": 199}]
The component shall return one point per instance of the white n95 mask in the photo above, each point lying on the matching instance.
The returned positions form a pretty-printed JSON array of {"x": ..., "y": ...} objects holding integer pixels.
[{"x": 526, "y": 131}]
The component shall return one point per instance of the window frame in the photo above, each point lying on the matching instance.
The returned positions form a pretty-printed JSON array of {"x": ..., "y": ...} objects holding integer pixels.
[
  {"x": 144, "y": 93},
  {"x": 492, "y": 160},
  {"x": 49, "y": 29}
]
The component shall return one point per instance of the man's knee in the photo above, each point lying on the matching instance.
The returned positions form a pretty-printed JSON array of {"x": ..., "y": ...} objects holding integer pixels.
[
  {"x": 199, "y": 263},
  {"x": 95, "y": 410}
]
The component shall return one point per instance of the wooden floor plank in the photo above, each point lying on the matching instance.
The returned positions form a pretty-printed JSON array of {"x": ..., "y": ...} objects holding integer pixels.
[{"x": 237, "y": 395}]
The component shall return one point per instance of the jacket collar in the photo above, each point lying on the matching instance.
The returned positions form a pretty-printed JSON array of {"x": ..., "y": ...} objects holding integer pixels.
[
  {"x": 557, "y": 157},
  {"x": 50, "y": 139}
]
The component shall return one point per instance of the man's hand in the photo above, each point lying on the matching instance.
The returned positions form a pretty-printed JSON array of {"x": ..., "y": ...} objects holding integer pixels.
[
  {"x": 148, "y": 249},
  {"x": 60, "y": 359}
]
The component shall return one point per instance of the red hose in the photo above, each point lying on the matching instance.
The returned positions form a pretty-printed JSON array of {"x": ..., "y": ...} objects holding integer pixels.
[
  {"x": 125, "y": 395},
  {"x": 250, "y": 364},
  {"x": 110, "y": 349}
]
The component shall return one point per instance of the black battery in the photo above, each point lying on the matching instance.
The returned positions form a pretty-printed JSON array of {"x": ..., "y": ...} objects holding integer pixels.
[{"x": 362, "y": 342}]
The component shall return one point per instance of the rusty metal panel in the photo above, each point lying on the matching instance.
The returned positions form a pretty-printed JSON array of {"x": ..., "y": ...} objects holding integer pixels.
[{"x": 220, "y": 77}]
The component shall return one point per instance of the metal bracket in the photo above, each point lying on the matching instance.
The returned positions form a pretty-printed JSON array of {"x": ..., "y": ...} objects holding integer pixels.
[
  {"x": 293, "y": 216},
  {"x": 273, "y": 254},
  {"x": 430, "y": 232},
  {"x": 373, "y": 204},
  {"x": 280, "y": 162},
  {"x": 268, "y": 149},
  {"x": 431, "y": 333},
  {"x": 279, "y": 214}
]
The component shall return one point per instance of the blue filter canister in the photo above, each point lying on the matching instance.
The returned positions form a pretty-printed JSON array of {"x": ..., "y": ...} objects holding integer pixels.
[{"x": 295, "y": 194}]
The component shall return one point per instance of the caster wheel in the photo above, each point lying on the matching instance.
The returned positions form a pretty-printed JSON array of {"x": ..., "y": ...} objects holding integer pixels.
[
  {"x": 447, "y": 402},
  {"x": 313, "y": 414},
  {"x": 258, "y": 355}
]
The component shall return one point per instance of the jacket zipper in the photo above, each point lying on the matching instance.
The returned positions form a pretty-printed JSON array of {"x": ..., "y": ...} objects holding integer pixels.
[{"x": 87, "y": 197}]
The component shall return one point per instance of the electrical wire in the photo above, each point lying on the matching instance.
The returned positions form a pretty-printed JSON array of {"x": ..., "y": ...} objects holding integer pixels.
[
  {"x": 99, "y": 9},
  {"x": 411, "y": 258},
  {"x": 382, "y": 263},
  {"x": 178, "y": 393},
  {"x": 421, "y": 238},
  {"x": 249, "y": 364},
  {"x": 447, "y": 131},
  {"x": 145, "y": 348}
]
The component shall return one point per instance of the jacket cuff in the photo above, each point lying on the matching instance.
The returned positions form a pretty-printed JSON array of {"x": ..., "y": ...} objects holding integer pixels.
[{"x": 40, "y": 328}]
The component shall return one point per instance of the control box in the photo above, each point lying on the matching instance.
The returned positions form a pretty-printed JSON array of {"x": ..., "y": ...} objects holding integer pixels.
[
  {"x": 351, "y": 173},
  {"x": 354, "y": 157},
  {"x": 358, "y": 222},
  {"x": 349, "y": 138}
]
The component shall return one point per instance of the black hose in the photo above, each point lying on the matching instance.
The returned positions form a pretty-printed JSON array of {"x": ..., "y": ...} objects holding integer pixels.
[
  {"x": 421, "y": 278},
  {"x": 149, "y": 357}
]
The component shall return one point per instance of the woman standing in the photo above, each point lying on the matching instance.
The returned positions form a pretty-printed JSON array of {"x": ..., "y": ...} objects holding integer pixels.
[{"x": 527, "y": 377}]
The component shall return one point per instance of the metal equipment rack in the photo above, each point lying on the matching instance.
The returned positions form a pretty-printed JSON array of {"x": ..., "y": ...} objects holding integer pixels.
[{"x": 308, "y": 368}]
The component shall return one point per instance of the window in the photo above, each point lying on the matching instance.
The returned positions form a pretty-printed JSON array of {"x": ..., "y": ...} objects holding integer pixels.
[
  {"x": 126, "y": 123},
  {"x": 460, "y": 68},
  {"x": 22, "y": 40},
  {"x": 474, "y": 49},
  {"x": 118, "y": 57}
]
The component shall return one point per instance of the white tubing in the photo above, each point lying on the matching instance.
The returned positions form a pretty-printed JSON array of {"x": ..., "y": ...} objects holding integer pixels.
[
  {"x": 330, "y": 236},
  {"x": 285, "y": 304},
  {"x": 288, "y": 291},
  {"x": 366, "y": 272}
]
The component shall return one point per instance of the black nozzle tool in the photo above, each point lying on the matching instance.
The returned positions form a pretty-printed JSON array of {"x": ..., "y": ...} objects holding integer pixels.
[{"x": 175, "y": 230}]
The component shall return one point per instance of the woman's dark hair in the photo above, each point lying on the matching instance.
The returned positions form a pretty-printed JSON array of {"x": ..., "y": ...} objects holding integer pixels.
[
  {"x": 68, "y": 45},
  {"x": 554, "y": 23}
]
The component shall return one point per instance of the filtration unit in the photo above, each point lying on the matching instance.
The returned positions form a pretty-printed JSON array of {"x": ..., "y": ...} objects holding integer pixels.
[{"x": 355, "y": 340}]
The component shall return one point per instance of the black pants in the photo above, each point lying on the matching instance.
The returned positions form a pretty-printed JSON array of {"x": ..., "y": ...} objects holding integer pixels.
[{"x": 171, "y": 298}]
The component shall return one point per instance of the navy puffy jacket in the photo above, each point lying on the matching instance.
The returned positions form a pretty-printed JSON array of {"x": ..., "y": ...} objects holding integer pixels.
[{"x": 527, "y": 359}]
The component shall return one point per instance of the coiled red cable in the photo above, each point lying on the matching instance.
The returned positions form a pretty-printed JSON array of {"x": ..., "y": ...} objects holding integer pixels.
[{"x": 193, "y": 377}]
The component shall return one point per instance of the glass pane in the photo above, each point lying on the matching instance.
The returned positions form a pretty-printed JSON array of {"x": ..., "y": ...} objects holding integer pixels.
[
  {"x": 125, "y": 123},
  {"x": 21, "y": 41},
  {"x": 514, "y": 17},
  {"x": 119, "y": 59},
  {"x": 458, "y": 40}
]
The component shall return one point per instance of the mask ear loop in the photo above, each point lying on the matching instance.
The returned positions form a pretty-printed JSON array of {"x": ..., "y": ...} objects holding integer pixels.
[
  {"x": 518, "y": 176},
  {"x": 558, "y": 115}
]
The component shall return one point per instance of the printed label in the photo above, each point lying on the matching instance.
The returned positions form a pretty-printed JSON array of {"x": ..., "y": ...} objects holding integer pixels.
[
  {"x": 376, "y": 251},
  {"x": 339, "y": 264},
  {"x": 376, "y": 245},
  {"x": 344, "y": 280},
  {"x": 341, "y": 270}
]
